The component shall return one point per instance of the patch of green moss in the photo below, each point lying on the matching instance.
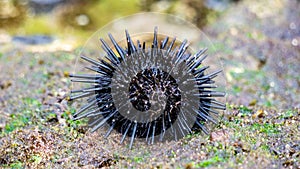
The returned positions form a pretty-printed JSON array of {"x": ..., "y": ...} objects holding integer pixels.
[
  {"x": 251, "y": 75},
  {"x": 211, "y": 161},
  {"x": 288, "y": 114},
  {"x": 268, "y": 103},
  {"x": 16, "y": 165},
  {"x": 66, "y": 57},
  {"x": 16, "y": 122},
  {"x": 36, "y": 159},
  {"x": 266, "y": 128},
  {"x": 265, "y": 147},
  {"x": 236, "y": 89},
  {"x": 138, "y": 159},
  {"x": 243, "y": 110},
  {"x": 220, "y": 47},
  {"x": 256, "y": 35},
  {"x": 50, "y": 116},
  {"x": 74, "y": 128},
  {"x": 28, "y": 101},
  {"x": 24, "y": 117}
]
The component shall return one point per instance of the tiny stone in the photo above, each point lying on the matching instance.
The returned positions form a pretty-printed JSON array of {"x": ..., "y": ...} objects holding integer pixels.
[
  {"x": 292, "y": 25},
  {"x": 253, "y": 102},
  {"x": 295, "y": 42},
  {"x": 260, "y": 114},
  {"x": 82, "y": 20}
]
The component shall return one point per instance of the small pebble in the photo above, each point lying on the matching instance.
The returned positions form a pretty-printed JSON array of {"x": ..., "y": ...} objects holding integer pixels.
[
  {"x": 295, "y": 42},
  {"x": 260, "y": 114}
]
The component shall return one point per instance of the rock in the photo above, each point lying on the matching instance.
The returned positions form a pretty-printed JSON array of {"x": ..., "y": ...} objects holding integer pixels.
[
  {"x": 253, "y": 102},
  {"x": 33, "y": 40},
  {"x": 260, "y": 114},
  {"x": 44, "y": 6},
  {"x": 5, "y": 84},
  {"x": 220, "y": 135}
]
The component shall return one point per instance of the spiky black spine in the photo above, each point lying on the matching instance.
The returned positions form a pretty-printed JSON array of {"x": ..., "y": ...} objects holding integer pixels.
[{"x": 151, "y": 88}]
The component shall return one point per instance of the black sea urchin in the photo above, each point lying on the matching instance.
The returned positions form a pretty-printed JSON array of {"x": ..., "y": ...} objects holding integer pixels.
[{"x": 159, "y": 92}]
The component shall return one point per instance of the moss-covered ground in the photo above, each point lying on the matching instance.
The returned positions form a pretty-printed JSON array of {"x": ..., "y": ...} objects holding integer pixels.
[{"x": 259, "y": 46}]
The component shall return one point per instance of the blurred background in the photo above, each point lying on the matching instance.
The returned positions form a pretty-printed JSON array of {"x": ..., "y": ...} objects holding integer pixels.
[{"x": 76, "y": 20}]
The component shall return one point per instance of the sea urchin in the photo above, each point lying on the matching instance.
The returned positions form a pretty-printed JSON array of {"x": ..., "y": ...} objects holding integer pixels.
[{"x": 160, "y": 92}]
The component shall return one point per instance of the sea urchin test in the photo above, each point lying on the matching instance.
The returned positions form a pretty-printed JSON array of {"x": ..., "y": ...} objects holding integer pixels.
[{"x": 157, "y": 90}]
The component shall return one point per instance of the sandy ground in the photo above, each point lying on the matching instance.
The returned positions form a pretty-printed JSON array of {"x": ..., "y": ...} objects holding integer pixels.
[{"x": 260, "y": 52}]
